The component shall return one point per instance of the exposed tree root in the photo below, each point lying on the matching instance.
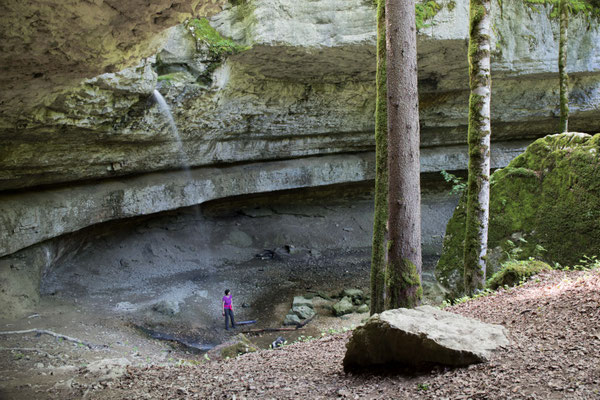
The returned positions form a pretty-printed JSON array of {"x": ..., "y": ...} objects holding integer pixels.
[{"x": 40, "y": 332}]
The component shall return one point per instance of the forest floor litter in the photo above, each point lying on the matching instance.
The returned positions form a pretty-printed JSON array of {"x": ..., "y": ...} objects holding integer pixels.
[{"x": 553, "y": 322}]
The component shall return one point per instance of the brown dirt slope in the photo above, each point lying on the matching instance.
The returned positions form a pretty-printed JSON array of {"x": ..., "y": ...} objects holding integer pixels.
[{"x": 554, "y": 324}]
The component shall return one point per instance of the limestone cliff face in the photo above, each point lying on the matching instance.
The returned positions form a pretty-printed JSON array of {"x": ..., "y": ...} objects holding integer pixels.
[
  {"x": 304, "y": 88},
  {"x": 50, "y": 45}
]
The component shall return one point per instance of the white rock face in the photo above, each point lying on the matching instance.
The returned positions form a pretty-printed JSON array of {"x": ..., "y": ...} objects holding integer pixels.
[
  {"x": 304, "y": 91},
  {"x": 49, "y": 47},
  {"x": 327, "y": 23},
  {"x": 306, "y": 87},
  {"x": 420, "y": 337}
]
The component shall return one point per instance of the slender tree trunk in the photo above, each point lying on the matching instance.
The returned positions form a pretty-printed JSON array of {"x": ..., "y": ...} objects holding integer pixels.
[
  {"x": 562, "y": 66},
  {"x": 403, "y": 272},
  {"x": 378, "y": 256},
  {"x": 478, "y": 186}
]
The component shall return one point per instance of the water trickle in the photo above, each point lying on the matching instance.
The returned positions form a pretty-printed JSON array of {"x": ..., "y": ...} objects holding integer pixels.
[{"x": 166, "y": 111}]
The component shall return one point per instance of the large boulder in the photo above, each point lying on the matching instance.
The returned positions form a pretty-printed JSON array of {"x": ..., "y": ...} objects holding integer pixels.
[
  {"x": 422, "y": 337},
  {"x": 544, "y": 204},
  {"x": 302, "y": 309}
]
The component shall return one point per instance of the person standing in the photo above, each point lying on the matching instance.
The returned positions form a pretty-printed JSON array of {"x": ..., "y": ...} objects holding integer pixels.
[{"x": 228, "y": 309}]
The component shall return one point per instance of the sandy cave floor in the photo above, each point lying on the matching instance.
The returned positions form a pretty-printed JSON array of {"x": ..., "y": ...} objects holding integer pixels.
[
  {"x": 41, "y": 366},
  {"x": 553, "y": 320}
]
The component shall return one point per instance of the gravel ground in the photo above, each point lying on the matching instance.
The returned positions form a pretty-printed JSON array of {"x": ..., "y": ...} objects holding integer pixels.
[{"x": 554, "y": 325}]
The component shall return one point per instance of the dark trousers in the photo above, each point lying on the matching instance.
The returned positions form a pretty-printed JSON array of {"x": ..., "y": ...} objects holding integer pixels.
[{"x": 229, "y": 314}]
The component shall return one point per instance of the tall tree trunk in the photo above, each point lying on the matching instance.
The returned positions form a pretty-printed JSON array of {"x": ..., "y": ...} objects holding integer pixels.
[
  {"x": 562, "y": 66},
  {"x": 403, "y": 272},
  {"x": 478, "y": 186},
  {"x": 378, "y": 256}
]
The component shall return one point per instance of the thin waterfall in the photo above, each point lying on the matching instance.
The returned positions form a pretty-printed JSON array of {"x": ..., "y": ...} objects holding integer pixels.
[{"x": 166, "y": 111}]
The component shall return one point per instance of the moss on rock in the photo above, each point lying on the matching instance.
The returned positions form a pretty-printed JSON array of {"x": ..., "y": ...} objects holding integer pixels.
[
  {"x": 240, "y": 346},
  {"x": 544, "y": 204},
  {"x": 514, "y": 272},
  {"x": 206, "y": 35}
]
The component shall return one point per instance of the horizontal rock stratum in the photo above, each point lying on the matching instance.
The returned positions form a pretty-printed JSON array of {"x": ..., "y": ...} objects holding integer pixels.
[
  {"x": 305, "y": 87},
  {"x": 422, "y": 337}
]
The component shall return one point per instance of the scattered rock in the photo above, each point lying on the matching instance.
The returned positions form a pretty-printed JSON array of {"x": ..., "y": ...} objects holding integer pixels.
[
  {"x": 302, "y": 301},
  {"x": 356, "y": 295},
  {"x": 420, "y": 337},
  {"x": 167, "y": 307},
  {"x": 292, "y": 319},
  {"x": 125, "y": 306},
  {"x": 362, "y": 309},
  {"x": 344, "y": 306},
  {"x": 265, "y": 254},
  {"x": 302, "y": 309},
  {"x": 303, "y": 312},
  {"x": 106, "y": 369},
  {"x": 278, "y": 343},
  {"x": 291, "y": 249}
]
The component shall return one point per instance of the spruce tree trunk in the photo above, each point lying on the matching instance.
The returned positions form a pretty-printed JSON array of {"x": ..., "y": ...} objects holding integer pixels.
[
  {"x": 478, "y": 186},
  {"x": 403, "y": 271},
  {"x": 562, "y": 66},
  {"x": 378, "y": 255}
]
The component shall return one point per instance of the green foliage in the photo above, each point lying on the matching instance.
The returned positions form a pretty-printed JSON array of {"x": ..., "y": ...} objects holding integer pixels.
[
  {"x": 459, "y": 300},
  {"x": 423, "y": 386},
  {"x": 205, "y": 34},
  {"x": 587, "y": 8},
  {"x": 458, "y": 184},
  {"x": 587, "y": 263},
  {"x": 514, "y": 272},
  {"x": 167, "y": 77},
  {"x": 425, "y": 11}
]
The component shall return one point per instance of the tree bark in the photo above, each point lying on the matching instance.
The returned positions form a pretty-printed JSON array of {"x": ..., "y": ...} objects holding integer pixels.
[
  {"x": 403, "y": 271},
  {"x": 562, "y": 66},
  {"x": 479, "y": 131},
  {"x": 378, "y": 255}
]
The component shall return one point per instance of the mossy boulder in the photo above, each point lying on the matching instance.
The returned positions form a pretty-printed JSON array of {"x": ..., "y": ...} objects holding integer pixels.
[
  {"x": 343, "y": 307},
  {"x": 514, "y": 272},
  {"x": 236, "y": 346},
  {"x": 544, "y": 204}
]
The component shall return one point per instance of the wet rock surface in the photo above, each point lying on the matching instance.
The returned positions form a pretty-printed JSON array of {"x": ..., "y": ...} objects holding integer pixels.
[{"x": 313, "y": 229}]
